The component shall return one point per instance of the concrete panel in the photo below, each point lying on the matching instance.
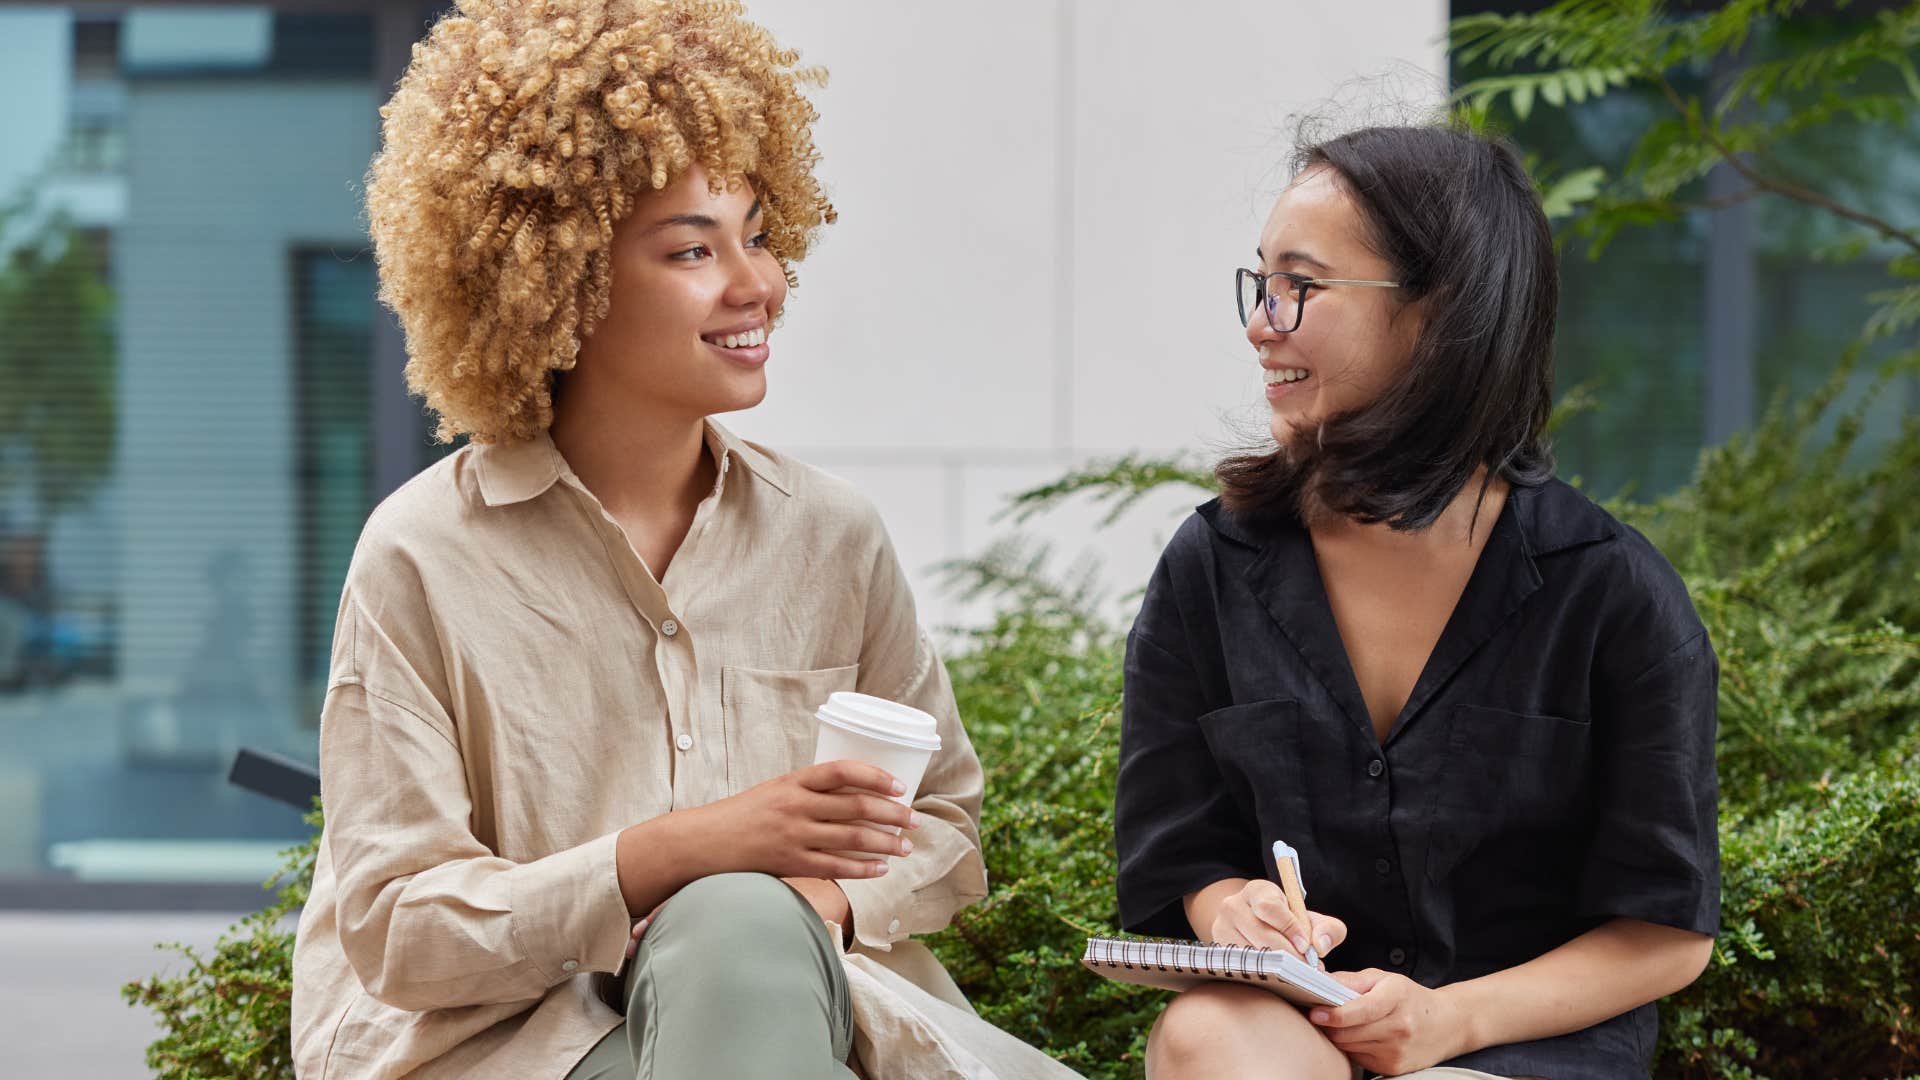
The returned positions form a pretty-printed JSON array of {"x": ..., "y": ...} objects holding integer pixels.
[
  {"x": 926, "y": 318},
  {"x": 1182, "y": 132}
]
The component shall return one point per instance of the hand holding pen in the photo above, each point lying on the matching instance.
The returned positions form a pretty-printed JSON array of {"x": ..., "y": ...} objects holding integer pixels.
[{"x": 1274, "y": 915}]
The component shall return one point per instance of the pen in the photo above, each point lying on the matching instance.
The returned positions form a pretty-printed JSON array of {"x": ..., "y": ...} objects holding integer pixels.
[{"x": 1286, "y": 863}]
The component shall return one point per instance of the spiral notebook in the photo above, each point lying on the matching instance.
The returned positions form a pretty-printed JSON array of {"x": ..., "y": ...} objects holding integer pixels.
[{"x": 1177, "y": 965}]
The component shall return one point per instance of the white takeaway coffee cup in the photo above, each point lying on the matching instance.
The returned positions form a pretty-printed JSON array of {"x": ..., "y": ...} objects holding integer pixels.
[{"x": 899, "y": 738}]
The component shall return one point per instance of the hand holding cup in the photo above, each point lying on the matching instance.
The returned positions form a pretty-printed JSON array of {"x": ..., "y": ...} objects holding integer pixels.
[{"x": 823, "y": 821}]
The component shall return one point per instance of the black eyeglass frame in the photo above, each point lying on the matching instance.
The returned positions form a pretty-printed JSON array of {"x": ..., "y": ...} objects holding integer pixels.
[{"x": 1264, "y": 296}]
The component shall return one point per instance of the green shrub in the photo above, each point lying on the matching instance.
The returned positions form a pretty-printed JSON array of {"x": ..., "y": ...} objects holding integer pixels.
[
  {"x": 229, "y": 1014},
  {"x": 1798, "y": 583}
]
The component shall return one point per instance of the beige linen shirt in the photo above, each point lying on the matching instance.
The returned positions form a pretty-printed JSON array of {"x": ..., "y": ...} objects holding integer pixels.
[{"x": 511, "y": 687}]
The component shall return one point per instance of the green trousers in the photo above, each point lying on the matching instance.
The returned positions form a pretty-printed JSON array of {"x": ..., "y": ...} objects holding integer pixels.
[{"x": 736, "y": 977}]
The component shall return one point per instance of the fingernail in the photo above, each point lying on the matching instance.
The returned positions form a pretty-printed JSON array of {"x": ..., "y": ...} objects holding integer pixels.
[
  {"x": 915, "y": 820},
  {"x": 1319, "y": 1016},
  {"x": 899, "y": 788},
  {"x": 1326, "y": 943},
  {"x": 906, "y": 846},
  {"x": 1299, "y": 941},
  {"x": 878, "y": 868}
]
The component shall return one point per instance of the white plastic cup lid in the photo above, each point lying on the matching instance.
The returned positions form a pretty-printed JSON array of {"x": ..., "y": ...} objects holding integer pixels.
[{"x": 878, "y": 718}]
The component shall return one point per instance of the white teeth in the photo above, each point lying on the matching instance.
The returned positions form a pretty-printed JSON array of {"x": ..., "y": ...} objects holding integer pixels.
[
  {"x": 1284, "y": 375},
  {"x": 756, "y": 336}
]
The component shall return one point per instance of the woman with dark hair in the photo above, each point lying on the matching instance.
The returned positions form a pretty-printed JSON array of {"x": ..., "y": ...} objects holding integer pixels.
[{"x": 1480, "y": 708}]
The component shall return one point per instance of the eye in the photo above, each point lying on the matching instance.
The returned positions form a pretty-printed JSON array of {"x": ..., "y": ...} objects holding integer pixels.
[
  {"x": 757, "y": 240},
  {"x": 690, "y": 254}
]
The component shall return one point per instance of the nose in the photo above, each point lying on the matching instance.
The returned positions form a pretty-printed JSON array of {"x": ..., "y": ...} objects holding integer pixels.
[
  {"x": 1259, "y": 330},
  {"x": 753, "y": 281}
]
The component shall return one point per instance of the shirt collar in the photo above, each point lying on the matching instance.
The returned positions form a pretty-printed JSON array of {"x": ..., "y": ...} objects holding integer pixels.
[
  {"x": 1551, "y": 517},
  {"x": 513, "y": 472},
  {"x": 1535, "y": 521}
]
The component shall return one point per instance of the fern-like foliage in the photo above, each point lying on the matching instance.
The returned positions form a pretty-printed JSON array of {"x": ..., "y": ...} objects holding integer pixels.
[{"x": 1581, "y": 49}]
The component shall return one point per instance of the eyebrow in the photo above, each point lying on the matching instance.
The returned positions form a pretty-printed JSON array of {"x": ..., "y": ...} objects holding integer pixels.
[
  {"x": 1292, "y": 255},
  {"x": 697, "y": 221}
]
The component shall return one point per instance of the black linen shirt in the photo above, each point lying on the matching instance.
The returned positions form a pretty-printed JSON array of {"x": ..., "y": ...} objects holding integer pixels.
[{"x": 1552, "y": 769}]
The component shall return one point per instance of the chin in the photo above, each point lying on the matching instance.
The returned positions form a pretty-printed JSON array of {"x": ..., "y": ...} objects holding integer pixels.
[
  {"x": 1288, "y": 431},
  {"x": 739, "y": 398}
]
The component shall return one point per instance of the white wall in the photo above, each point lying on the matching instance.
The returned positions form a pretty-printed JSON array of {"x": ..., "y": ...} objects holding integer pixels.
[{"x": 1042, "y": 202}]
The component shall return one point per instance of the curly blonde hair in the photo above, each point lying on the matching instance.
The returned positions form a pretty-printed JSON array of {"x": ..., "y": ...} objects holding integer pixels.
[{"x": 520, "y": 135}]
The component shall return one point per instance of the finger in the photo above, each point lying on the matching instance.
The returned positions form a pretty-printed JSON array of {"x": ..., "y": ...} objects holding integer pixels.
[
  {"x": 841, "y": 868},
  {"x": 1225, "y": 933},
  {"x": 832, "y": 775},
  {"x": 1277, "y": 913},
  {"x": 1373, "y": 1004},
  {"x": 854, "y": 806},
  {"x": 1361, "y": 981},
  {"x": 1328, "y": 932},
  {"x": 1380, "y": 1034},
  {"x": 851, "y": 836},
  {"x": 1255, "y": 930}
]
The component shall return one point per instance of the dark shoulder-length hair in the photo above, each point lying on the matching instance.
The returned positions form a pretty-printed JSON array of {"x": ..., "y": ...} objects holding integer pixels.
[{"x": 1457, "y": 218}]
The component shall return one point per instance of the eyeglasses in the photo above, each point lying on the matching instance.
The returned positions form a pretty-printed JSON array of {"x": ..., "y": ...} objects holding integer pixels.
[{"x": 1254, "y": 289}]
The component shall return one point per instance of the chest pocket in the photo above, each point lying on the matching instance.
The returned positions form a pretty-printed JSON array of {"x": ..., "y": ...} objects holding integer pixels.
[
  {"x": 769, "y": 719},
  {"x": 1258, "y": 747},
  {"x": 1511, "y": 784}
]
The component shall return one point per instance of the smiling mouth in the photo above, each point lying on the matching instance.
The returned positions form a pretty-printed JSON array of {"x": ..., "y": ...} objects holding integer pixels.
[
  {"x": 756, "y": 336},
  {"x": 1282, "y": 376}
]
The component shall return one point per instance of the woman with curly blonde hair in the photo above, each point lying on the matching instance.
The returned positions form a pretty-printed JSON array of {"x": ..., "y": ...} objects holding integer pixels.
[{"x": 573, "y": 825}]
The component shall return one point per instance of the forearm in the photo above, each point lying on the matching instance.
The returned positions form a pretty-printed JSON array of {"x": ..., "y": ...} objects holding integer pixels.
[
  {"x": 662, "y": 855},
  {"x": 1615, "y": 967},
  {"x": 1204, "y": 906}
]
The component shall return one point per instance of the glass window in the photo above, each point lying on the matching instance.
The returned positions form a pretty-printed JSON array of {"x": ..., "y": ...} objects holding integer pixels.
[
  {"x": 191, "y": 374},
  {"x": 1674, "y": 371}
]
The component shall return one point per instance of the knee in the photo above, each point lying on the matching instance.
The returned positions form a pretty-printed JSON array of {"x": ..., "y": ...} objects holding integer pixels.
[
  {"x": 744, "y": 909},
  {"x": 753, "y": 917},
  {"x": 1195, "y": 1027},
  {"x": 1226, "y": 1029}
]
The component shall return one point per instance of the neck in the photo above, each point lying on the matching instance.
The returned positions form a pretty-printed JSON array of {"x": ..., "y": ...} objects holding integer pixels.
[
  {"x": 635, "y": 461},
  {"x": 1456, "y": 525}
]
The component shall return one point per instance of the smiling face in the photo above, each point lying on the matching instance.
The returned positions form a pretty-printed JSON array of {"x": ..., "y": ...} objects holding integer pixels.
[
  {"x": 693, "y": 298},
  {"x": 1352, "y": 341}
]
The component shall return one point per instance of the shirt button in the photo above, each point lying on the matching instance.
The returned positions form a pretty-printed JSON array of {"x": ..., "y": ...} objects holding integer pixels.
[
  {"x": 570, "y": 965},
  {"x": 670, "y": 628},
  {"x": 1383, "y": 867},
  {"x": 1397, "y": 957},
  {"x": 893, "y": 927},
  {"x": 683, "y": 741},
  {"x": 1376, "y": 767}
]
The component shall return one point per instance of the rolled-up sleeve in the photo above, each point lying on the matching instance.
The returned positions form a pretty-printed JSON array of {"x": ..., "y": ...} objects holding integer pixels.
[
  {"x": 1655, "y": 854},
  {"x": 1175, "y": 825},
  {"x": 921, "y": 892},
  {"x": 428, "y": 916}
]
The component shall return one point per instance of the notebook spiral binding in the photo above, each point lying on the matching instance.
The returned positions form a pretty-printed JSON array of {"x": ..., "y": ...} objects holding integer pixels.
[{"x": 1161, "y": 954}]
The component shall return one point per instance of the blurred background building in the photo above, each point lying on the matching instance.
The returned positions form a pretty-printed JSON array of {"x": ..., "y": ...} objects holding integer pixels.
[{"x": 1042, "y": 204}]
